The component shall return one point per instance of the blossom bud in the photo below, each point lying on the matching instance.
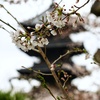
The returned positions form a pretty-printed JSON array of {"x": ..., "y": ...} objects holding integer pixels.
[
  {"x": 49, "y": 27},
  {"x": 53, "y": 32},
  {"x": 52, "y": 67}
]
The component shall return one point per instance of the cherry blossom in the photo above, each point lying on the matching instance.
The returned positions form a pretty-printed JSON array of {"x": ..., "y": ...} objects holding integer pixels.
[{"x": 27, "y": 41}]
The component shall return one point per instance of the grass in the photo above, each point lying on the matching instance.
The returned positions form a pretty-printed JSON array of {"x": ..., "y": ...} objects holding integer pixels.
[{"x": 9, "y": 96}]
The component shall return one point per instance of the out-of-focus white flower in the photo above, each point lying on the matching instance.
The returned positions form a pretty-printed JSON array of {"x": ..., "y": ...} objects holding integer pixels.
[
  {"x": 55, "y": 18},
  {"x": 38, "y": 26},
  {"x": 53, "y": 32}
]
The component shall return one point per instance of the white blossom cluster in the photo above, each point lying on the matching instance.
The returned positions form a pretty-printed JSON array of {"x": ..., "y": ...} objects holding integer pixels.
[
  {"x": 56, "y": 17},
  {"x": 21, "y": 40},
  {"x": 27, "y": 41}
]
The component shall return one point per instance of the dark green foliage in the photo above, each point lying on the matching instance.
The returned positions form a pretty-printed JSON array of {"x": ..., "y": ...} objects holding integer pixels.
[
  {"x": 5, "y": 96},
  {"x": 8, "y": 96}
]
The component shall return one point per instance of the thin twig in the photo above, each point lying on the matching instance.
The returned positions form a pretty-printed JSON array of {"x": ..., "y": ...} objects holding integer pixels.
[
  {"x": 61, "y": 56},
  {"x": 68, "y": 52},
  {"x": 74, "y": 12},
  {"x": 60, "y": 1},
  {"x": 38, "y": 72},
  {"x": 14, "y": 18},
  {"x": 8, "y": 24},
  {"x": 66, "y": 82},
  {"x": 50, "y": 92},
  {"x": 4, "y": 29},
  {"x": 82, "y": 5}
]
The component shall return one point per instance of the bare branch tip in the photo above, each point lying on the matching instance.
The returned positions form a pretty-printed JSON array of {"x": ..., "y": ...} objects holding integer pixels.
[{"x": 1, "y": 6}]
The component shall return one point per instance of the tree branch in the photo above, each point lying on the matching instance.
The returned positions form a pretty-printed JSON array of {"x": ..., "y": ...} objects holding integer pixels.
[
  {"x": 14, "y": 18},
  {"x": 74, "y": 12},
  {"x": 54, "y": 74},
  {"x": 8, "y": 24},
  {"x": 68, "y": 52},
  {"x": 38, "y": 72}
]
